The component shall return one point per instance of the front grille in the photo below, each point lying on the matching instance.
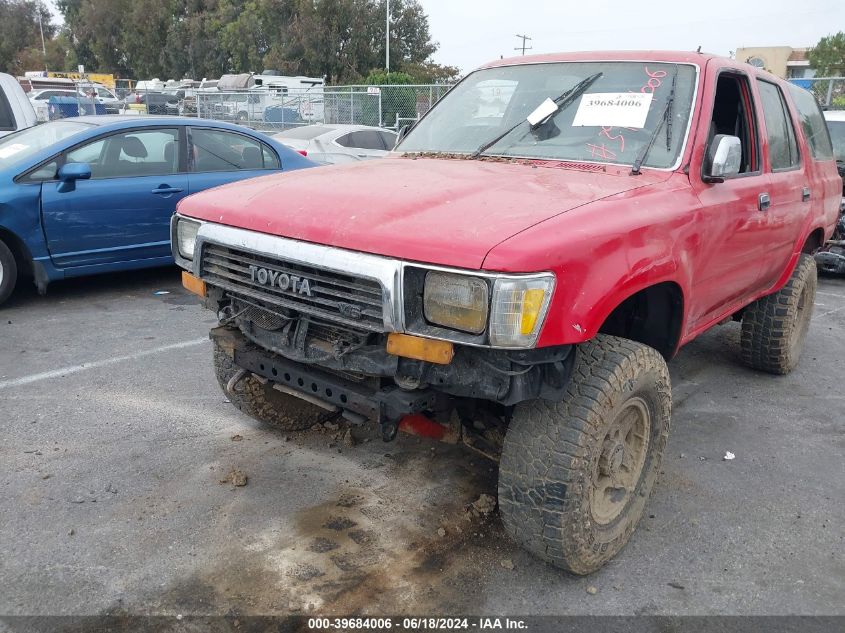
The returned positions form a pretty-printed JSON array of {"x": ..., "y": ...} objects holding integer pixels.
[{"x": 334, "y": 297}]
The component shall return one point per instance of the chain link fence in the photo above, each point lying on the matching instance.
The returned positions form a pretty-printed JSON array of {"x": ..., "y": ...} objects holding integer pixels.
[
  {"x": 829, "y": 91},
  {"x": 275, "y": 110}
]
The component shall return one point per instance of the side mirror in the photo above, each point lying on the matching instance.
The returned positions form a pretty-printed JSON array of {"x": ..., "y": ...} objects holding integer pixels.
[
  {"x": 75, "y": 171},
  {"x": 70, "y": 173},
  {"x": 724, "y": 158}
]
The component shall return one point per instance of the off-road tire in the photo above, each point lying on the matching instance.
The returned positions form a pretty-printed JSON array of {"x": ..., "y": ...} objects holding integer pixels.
[
  {"x": 8, "y": 272},
  {"x": 774, "y": 327},
  {"x": 262, "y": 402},
  {"x": 552, "y": 450}
]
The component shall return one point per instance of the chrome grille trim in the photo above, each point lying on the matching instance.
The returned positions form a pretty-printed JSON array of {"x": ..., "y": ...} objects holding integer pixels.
[{"x": 375, "y": 286}]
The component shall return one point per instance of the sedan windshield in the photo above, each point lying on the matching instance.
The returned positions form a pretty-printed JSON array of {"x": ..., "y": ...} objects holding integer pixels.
[
  {"x": 611, "y": 122},
  {"x": 25, "y": 143},
  {"x": 837, "y": 135}
]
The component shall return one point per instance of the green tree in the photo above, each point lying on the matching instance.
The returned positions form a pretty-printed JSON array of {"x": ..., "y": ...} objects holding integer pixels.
[
  {"x": 341, "y": 40},
  {"x": 828, "y": 56},
  {"x": 20, "y": 35}
]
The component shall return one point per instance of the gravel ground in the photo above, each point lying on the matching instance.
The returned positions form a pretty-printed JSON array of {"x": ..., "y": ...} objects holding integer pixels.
[{"x": 116, "y": 439}]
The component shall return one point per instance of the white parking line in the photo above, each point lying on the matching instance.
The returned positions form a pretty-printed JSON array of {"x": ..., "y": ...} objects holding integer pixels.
[
  {"x": 73, "y": 369},
  {"x": 830, "y": 294},
  {"x": 831, "y": 311}
]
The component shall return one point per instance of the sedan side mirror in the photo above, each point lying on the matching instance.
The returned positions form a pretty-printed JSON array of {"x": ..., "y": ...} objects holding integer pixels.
[
  {"x": 70, "y": 173},
  {"x": 724, "y": 158}
]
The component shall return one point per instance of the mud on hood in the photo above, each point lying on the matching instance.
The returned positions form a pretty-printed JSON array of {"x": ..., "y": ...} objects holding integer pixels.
[{"x": 442, "y": 211}]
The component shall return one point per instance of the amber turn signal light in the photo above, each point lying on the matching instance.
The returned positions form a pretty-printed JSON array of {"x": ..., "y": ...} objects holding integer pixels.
[
  {"x": 439, "y": 352},
  {"x": 193, "y": 284}
]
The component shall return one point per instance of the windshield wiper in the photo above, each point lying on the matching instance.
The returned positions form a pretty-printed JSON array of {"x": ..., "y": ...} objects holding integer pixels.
[
  {"x": 561, "y": 102},
  {"x": 665, "y": 119}
]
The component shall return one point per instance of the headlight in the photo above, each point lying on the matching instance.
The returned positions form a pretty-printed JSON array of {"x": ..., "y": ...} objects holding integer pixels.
[
  {"x": 456, "y": 301},
  {"x": 518, "y": 309},
  {"x": 186, "y": 237}
]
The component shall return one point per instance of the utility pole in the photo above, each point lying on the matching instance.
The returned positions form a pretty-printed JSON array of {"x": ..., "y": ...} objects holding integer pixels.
[
  {"x": 387, "y": 37},
  {"x": 43, "y": 45},
  {"x": 523, "y": 48}
]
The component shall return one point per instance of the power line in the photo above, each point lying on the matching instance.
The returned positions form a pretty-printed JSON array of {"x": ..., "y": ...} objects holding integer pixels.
[{"x": 523, "y": 48}]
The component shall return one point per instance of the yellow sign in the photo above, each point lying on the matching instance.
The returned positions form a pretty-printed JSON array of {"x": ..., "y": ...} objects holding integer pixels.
[{"x": 99, "y": 78}]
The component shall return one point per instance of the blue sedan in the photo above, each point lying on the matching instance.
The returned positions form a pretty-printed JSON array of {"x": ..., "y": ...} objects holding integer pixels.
[{"x": 95, "y": 194}]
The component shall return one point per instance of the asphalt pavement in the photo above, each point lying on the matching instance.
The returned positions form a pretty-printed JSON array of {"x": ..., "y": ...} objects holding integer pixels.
[{"x": 116, "y": 495}]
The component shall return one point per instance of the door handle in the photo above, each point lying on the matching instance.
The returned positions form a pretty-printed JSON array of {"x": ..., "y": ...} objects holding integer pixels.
[
  {"x": 764, "y": 201},
  {"x": 166, "y": 190},
  {"x": 805, "y": 194}
]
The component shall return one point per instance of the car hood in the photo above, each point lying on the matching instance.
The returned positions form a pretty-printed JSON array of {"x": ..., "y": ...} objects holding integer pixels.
[{"x": 450, "y": 212}]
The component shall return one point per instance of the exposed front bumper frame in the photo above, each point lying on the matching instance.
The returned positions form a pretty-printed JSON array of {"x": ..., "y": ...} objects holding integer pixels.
[{"x": 387, "y": 405}]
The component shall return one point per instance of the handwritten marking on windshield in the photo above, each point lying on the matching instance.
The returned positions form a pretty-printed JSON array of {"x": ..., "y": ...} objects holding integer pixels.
[
  {"x": 605, "y": 131},
  {"x": 600, "y": 151},
  {"x": 653, "y": 80}
]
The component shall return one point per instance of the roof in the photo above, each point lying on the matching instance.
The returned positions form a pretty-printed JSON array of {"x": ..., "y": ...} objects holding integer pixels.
[
  {"x": 798, "y": 55},
  {"x": 107, "y": 119},
  {"x": 689, "y": 57}
]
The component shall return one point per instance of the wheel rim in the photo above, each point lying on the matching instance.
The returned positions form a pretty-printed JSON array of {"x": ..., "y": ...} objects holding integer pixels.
[
  {"x": 620, "y": 463},
  {"x": 1, "y": 273}
]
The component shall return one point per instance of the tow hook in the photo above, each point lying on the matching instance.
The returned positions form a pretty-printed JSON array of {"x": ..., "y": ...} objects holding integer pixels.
[{"x": 234, "y": 380}]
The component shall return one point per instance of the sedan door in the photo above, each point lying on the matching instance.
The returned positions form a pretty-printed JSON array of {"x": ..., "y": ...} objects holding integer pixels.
[
  {"x": 122, "y": 213},
  {"x": 221, "y": 156}
]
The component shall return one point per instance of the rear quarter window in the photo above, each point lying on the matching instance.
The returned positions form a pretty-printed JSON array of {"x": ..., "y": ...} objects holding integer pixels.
[{"x": 812, "y": 122}]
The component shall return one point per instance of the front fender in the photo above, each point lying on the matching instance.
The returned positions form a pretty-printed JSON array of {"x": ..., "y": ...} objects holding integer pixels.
[{"x": 605, "y": 252}]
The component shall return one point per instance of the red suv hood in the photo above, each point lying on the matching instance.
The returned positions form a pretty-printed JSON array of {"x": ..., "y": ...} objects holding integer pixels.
[{"x": 441, "y": 211}]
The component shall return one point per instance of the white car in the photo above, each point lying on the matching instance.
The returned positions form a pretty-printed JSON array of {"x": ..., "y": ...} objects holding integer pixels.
[
  {"x": 336, "y": 144},
  {"x": 836, "y": 124},
  {"x": 16, "y": 112}
]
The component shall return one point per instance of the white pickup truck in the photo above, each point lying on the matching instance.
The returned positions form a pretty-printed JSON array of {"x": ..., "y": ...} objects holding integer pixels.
[{"x": 16, "y": 112}]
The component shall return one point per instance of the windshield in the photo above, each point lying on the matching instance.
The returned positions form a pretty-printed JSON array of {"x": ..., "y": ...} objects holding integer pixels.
[
  {"x": 611, "y": 122},
  {"x": 837, "y": 135},
  {"x": 28, "y": 142}
]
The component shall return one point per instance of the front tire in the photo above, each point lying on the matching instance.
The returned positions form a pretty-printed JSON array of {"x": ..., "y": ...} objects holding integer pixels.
[
  {"x": 774, "y": 327},
  {"x": 262, "y": 402},
  {"x": 8, "y": 272},
  {"x": 575, "y": 475}
]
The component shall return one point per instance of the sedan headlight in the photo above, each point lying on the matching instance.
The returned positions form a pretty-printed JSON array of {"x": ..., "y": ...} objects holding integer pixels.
[
  {"x": 518, "y": 309},
  {"x": 186, "y": 237},
  {"x": 459, "y": 302}
]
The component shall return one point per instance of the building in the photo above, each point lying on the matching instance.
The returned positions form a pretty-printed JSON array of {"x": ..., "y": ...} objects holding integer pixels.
[{"x": 784, "y": 61}]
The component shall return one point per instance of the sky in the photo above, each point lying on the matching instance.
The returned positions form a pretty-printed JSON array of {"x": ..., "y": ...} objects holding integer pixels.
[{"x": 472, "y": 32}]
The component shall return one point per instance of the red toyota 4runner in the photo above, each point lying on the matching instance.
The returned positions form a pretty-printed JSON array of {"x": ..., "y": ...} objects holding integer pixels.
[{"x": 536, "y": 248}]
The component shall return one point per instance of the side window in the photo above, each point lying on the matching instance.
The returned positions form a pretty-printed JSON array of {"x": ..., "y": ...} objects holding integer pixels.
[
  {"x": 131, "y": 154},
  {"x": 345, "y": 140},
  {"x": 7, "y": 120},
  {"x": 367, "y": 139},
  {"x": 271, "y": 161},
  {"x": 218, "y": 150},
  {"x": 812, "y": 123},
  {"x": 733, "y": 114},
  {"x": 783, "y": 147},
  {"x": 47, "y": 171}
]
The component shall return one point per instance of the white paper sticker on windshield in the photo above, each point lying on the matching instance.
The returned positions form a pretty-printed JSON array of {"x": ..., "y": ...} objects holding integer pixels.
[
  {"x": 613, "y": 109},
  {"x": 12, "y": 149}
]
